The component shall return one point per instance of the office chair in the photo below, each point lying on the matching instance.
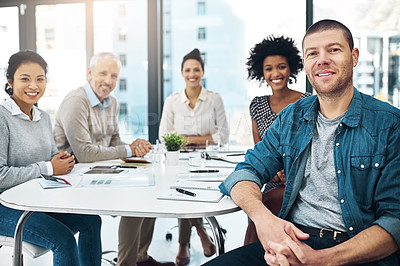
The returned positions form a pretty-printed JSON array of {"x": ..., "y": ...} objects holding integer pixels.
[
  {"x": 35, "y": 251},
  {"x": 27, "y": 248},
  {"x": 168, "y": 235},
  {"x": 113, "y": 261}
]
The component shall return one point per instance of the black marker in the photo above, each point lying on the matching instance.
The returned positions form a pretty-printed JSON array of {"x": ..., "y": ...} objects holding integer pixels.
[
  {"x": 186, "y": 192},
  {"x": 204, "y": 171},
  {"x": 126, "y": 166}
]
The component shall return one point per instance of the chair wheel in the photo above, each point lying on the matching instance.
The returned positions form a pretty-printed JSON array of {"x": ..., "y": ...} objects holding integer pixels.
[{"x": 168, "y": 236}]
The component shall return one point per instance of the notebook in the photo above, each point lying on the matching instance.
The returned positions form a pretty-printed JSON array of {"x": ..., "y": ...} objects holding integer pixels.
[
  {"x": 201, "y": 196},
  {"x": 204, "y": 177},
  {"x": 136, "y": 160},
  {"x": 197, "y": 185},
  {"x": 52, "y": 184}
]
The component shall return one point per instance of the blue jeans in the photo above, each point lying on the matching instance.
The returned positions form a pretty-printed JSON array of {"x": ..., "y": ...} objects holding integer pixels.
[
  {"x": 55, "y": 231},
  {"x": 253, "y": 254}
]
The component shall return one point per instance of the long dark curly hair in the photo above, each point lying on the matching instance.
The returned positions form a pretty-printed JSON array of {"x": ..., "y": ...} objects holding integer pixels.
[{"x": 283, "y": 46}]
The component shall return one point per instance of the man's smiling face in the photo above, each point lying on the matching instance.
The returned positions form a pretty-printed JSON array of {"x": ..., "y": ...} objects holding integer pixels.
[{"x": 328, "y": 62}]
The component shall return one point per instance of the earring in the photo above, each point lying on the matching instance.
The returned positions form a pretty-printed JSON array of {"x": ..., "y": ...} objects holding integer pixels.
[{"x": 8, "y": 89}]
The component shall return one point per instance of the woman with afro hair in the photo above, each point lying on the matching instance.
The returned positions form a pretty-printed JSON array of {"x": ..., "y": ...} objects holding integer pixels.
[{"x": 276, "y": 61}]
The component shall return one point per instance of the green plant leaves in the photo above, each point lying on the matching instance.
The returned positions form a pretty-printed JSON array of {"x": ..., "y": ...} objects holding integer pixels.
[{"x": 174, "y": 142}]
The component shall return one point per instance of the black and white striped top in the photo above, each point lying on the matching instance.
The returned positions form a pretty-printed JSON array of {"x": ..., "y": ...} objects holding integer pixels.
[{"x": 262, "y": 114}]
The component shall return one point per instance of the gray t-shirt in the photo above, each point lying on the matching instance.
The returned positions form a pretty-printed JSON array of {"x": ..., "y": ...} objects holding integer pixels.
[{"x": 317, "y": 203}]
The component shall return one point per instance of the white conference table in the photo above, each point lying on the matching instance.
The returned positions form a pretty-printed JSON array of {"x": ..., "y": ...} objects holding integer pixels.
[{"x": 131, "y": 201}]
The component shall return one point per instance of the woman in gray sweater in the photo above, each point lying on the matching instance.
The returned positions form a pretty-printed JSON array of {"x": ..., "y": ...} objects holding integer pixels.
[{"x": 27, "y": 150}]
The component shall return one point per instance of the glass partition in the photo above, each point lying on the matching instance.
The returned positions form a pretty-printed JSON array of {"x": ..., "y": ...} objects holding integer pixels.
[
  {"x": 225, "y": 31},
  {"x": 121, "y": 27},
  {"x": 9, "y": 36},
  {"x": 61, "y": 40},
  {"x": 376, "y": 29}
]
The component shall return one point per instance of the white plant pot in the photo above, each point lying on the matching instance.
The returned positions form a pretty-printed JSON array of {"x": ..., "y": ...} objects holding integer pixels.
[{"x": 172, "y": 157}]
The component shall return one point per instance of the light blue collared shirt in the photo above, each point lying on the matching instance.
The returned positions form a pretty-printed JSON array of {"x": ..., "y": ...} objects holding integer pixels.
[
  {"x": 14, "y": 109},
  {"x": 94, "y": 101}
]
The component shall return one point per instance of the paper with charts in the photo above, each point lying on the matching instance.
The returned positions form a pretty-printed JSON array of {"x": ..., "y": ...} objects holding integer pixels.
[{"x": 131, "y": 177}]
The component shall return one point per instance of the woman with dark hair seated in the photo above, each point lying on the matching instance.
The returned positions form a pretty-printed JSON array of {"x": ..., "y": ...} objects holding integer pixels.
[
  {"x": 276, "y": 61},
  {"x": 199, "y": 115},
  {"x": 27, "y": 150}
]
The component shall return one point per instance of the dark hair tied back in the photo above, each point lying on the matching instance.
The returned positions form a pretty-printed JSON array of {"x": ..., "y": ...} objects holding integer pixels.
[
  {"x": 194, "y": 54},
  {"x": 16, "y": 60}
]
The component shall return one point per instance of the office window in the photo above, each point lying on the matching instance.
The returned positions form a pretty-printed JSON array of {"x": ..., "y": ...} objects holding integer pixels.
[
  {"x": 201, "y": 33},
  {"x": 126, "y": 19},
  {"x": 49, "y": 34},
  {"x": 122, "y": 84},
  {"x": 121, "y": 10},
  {"x": 201, "y": 8},
  {"x": 61, "y": 41},
  {"x": 204, "y": 57},
  {"x": 204, "y": 82},
  {"x": 123, "y": 109},
  {"x": 376, "y": 31},
  {"x": 122, "y": 58},
  {"x": 123, "y": 32},
  {"x": 9, "y": 28},
  {"x": 224, "y": 31},
  {"x": 122, "y": 37}
]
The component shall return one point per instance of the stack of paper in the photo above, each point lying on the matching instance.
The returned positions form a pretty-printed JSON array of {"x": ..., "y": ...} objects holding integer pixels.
[{"x": 52, "y": 184}]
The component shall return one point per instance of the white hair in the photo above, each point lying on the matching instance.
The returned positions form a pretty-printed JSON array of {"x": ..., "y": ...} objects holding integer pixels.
[{"x": 106, "y": 55}]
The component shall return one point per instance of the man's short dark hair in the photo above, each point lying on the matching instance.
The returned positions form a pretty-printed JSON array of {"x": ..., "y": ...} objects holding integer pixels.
[{"x": 329, "y": 24}]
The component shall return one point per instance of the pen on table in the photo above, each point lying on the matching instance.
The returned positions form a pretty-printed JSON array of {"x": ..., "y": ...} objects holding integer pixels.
[
  {"x": 204, "y": 171},
  {"x": 126, "y": 166},
  {"x": 236, "y": 154},
  {"x": 56, "y": 179},
  {"x": 66, "y": 182},
  {"x": 186, "y": 192}
]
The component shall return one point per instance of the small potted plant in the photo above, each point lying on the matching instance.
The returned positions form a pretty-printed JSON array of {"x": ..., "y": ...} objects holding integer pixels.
[{"x": 173, "y": 143}]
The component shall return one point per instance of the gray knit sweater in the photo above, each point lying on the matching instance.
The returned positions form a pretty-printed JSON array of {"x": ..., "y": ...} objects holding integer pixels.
[{"x": 24, "y": 147}]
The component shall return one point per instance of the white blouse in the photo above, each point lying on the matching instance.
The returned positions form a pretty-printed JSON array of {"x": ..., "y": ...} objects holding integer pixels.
[{"x": 206, "y": 118}]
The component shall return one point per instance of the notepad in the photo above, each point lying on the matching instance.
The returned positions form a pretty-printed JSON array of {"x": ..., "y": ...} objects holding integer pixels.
[
  {"x": 140, "y": 165},
  {"x": 204, "y": 177},
  {"x": 136, "y": 160},
  {"x": 201, "y": 196},
  {"x": 197, "y": 185},
  {"x": 52, "y": 184}
]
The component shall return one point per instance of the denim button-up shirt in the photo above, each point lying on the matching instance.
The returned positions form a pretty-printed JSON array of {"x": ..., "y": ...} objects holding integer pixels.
[{"x": 366, "y": 161}]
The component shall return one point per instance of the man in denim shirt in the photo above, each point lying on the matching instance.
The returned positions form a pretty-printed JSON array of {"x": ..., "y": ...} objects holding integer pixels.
[{"x": 341, "y": 154}]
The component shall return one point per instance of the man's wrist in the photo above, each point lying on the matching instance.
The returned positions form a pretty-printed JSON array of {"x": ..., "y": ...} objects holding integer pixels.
[{"x": 261, "y": 214}]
